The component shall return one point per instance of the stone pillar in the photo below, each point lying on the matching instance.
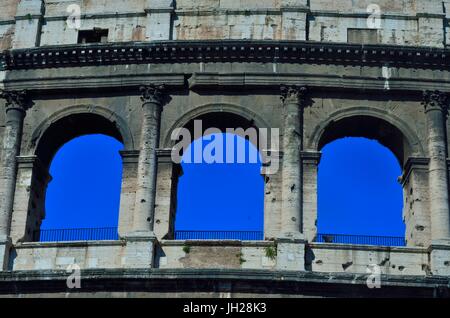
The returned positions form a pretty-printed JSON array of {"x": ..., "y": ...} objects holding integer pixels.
[
  {"x": 291, "y": 220},
  {"x": 272, "y": 193},
  {"x": 130, "y": 160},
  {"x": 436, "y": 104},
  {"x": 29, "y": 199},
  {"x": 416, "y": 216},
  {"x": 166, "y": 194},
  {"x": 153, "y": 100},
  {"x": 16, "y": 105},
  {"x": 310, "y": 161}
]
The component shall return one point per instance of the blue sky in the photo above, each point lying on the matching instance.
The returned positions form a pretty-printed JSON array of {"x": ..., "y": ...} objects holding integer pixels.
[{"x": 357, "y": 190}]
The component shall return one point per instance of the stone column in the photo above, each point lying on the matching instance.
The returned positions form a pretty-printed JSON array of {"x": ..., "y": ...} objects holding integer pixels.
[
  {"x": 291, "y": 221},
  {"x": 153, "y": 100},
  {"x": 16, "y": 105},
  {"x": 414, "y": 181},
  {"x": 310, "y": 163},
  {"x": 436, "y": 104},
  {"x": 29, "y": 199}
]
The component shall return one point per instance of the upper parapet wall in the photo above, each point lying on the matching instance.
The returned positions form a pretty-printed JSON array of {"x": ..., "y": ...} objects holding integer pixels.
[
  {"x": 30, "y": 23},
  {"x": 8, "y": 10},
  {"x": 57, "y": 8}
]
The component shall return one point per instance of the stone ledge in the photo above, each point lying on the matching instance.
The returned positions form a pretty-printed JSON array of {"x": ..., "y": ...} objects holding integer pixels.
[
  {"x": 99, "y": 81},
  {"x": 356, "y": 247},
  {"x": 209, "y": 280},
  {"x": 26, "y": 245},
  {"x": 176, "y": 51},
  {"x": 226, "y": 81},
  {"x": 224, "y": 243}
]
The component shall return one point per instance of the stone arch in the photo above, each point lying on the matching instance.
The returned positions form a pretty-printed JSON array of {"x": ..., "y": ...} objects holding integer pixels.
[
  {"x": 391, "y": 131},
  {"x": 229, "y": 114},
  {"x": 372, "y": 119},
  {"x": 110, "y": 124},
  {"x": 48, "y": 137}
]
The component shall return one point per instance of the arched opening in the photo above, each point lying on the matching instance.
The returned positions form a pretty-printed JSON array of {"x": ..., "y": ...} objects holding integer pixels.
[
  {"x": 220, "y": 193},
  {"x": 84, "y": 192},
  {"x": 63, "y": 130},
  {"x": 360, "y": 199},
  {"x": 76, "y": 181}
]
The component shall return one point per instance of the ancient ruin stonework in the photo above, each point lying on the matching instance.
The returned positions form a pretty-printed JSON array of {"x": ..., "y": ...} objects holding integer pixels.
[{"x": 138, "y": 69}]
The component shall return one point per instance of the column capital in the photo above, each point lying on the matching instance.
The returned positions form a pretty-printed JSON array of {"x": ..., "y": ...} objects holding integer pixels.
[
  {"x": 435, "y": 100},
  {"x": 18, "y": 100},
  {"x": 293, "y": 94},
  {"x": 155, "y": 94}
]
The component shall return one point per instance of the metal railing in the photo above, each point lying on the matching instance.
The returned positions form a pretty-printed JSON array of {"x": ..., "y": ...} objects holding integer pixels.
[
  {"x": 83, "y": 234},
  {"x": 220, "y": 235},
  {"x": 361, "y": 239}
]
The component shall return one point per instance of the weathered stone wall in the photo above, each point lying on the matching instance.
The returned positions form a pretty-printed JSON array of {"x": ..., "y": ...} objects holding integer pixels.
[
  {"x": 9, "y": 8},
  {"x": 54, "y": 256},
  {"x": 198, "y": 254},
  {"x": 407, "y": 22},
  {"x": 329, "y": 258},
  {"x": 93, "y": 254},
  {"x": 7, "y": 14},
  {"x": 401, "y": 22},
  {"x": 129, "y": 26},
  {"x": 362, "y": 259},
  {"x": 2, "y": 124}
]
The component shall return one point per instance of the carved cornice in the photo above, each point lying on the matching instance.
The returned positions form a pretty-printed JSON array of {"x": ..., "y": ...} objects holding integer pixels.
[
  {"x": 311, "y": 156},
  {"x": 129, "y": 156},
  {"x": 16, "y": 100},
  {"x": 155, "y": 94},
  {"x": 435, "y": 100},
  {"x": 176, "y": 51},
  {"x": 293, "y": 94},
  {"x": 164, "y": 155}
]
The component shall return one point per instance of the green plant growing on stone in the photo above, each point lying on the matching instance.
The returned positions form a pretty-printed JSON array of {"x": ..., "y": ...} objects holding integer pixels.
[
  {"x": 29, "y": 16},
  {"x": 241, "y": 259},
  {"x": 186, "y": 249},
  {"x": 271, "y": 252}
]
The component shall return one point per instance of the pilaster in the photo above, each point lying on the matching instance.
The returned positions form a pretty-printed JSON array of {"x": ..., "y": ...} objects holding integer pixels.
[{"x": 293, "y": 102}]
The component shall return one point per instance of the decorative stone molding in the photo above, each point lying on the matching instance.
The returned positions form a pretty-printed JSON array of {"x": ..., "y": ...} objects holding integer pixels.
[
  {"x": 413, "y": 163},
  {"x": 218, "y": 50},
  {"x": 153, "y": 94},
  {"x": 129, "y": 156},
  {"x": 293, "y": 94},
  {"x": 312, "y": 157},
  {"x": 16, "y": 100},
  {"x": 164, "y": 155},
  {"x": 435, "y": 100}
]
